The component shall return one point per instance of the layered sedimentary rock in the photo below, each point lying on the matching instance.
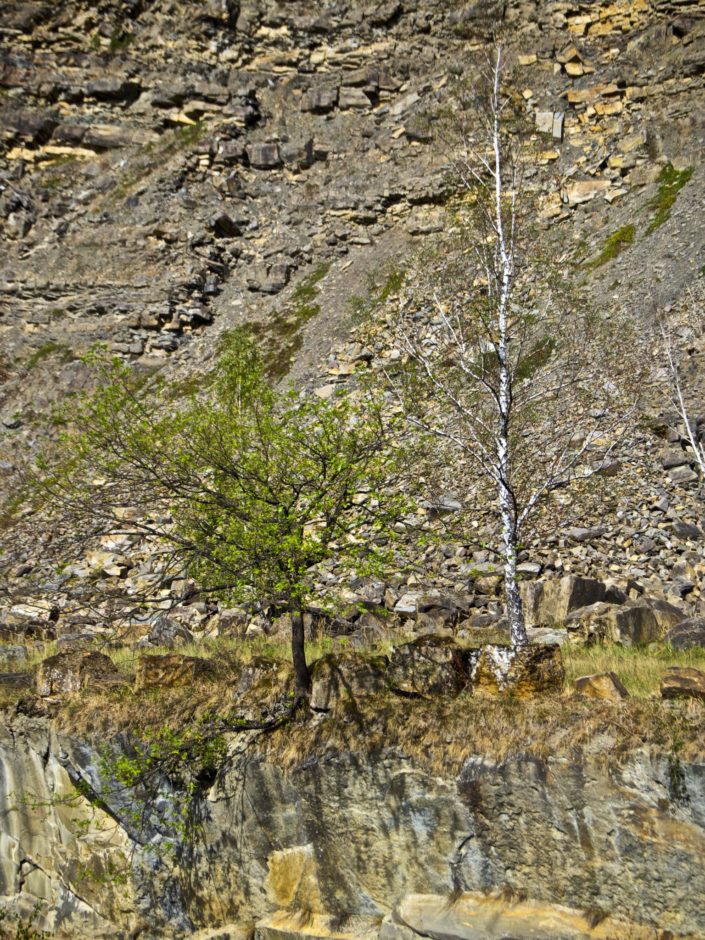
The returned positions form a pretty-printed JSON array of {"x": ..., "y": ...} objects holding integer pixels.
[{"x": 346, "y": 844}]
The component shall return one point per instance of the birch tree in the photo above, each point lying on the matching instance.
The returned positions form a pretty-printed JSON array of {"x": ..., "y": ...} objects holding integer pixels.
[
  {"x": 680, "y": 392},
  {"x": 505, "y": 368}
]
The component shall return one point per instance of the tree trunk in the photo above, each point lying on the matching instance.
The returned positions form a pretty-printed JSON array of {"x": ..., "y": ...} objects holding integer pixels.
[
  {"x": 515, "y": 610},
  {"x": 302, "y": 674},
  {"x": 507, "y": 505}
]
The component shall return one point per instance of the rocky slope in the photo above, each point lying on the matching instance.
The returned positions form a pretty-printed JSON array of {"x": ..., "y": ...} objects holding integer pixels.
[
  {"x": 171, "y": 170},
  {"x": 169, "y": 175}
]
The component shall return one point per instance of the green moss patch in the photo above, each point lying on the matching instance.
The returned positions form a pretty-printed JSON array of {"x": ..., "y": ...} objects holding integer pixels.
[
  {"x": 282, "y": 333},
  {"x": 671, "y": 181},
  {"x": 47, "y": 351},
  {"x": 615, "y": 245}
]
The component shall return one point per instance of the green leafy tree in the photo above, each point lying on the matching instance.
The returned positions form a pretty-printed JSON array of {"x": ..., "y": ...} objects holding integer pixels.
[{"x": 246, "y": 491}]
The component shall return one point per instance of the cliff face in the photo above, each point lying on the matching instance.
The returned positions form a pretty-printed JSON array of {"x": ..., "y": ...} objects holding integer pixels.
[
  {"x": 357, "y": 844},
  {"x": 168, "y": 171}
]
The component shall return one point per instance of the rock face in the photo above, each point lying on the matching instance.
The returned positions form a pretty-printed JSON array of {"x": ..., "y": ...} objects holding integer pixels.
[
  {"x": 478, "y": 917},
  {"x": 169, "y": 171},
  {"x": 57, "y": 849},
  {"x": 356, "y": 838}
]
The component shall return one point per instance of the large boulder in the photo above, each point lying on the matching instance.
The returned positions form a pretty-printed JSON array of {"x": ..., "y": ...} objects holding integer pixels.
[
  {"x": 343, "y": 679},
  {"x": 170, "y": 671},
  {"x": 548, "y": 603},
  {"x": 683, "y": 682},
  {"x": 320, "y": 100},
  {"x": 73, "y": 671},
  {"x": 605, "y": 686},
  {"x": 165, "y": 631},
  {"x": 112, "y": 137},
  {"x": 526, "y": 672},
  {"x": 687, "y": 634},
  {"x": 642, "y": 621},
  {"x": 431, "y": 665}
]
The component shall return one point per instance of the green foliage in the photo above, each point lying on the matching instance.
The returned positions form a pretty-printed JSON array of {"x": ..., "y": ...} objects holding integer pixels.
[
  {"x": 15, "y": 927},
  {"x": 187, "y": 759},
  {"x": 249, "y": 490},
  {"x": 535, "y": 359},
  {"x": 615, "y": 245},
  {"x": 194, "y": 751},
  {"x": 191, "y": 134},
  {"x": 120, "y": 41},
  {"x": 671, "y": 181},
  {"x": 12, "y": 506}
]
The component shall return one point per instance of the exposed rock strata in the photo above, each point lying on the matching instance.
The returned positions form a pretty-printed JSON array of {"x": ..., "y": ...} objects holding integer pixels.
[{"x": 352, "y": 839}]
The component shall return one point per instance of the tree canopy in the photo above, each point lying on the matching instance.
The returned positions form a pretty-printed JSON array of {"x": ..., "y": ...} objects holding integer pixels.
[{"x": 246, "y": 489}]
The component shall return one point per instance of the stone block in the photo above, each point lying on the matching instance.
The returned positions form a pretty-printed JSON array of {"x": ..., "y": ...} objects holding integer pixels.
[
  {"x": 170, "y": 671},
  {"x": 523, "y": 673},
  {"x": 605, "y": 686},
  {"x": 73, "y": 671},
  {"x": 113, "y": 89},
  {"x": 644, "y": 621},
  {"x": 353, "y": 98},
  {"x": 319, "y": 100},
  {"x": 544, "y": 122},
  {"x": 548, "y": 603},
  {"x": 431, "y": 666},
  {"x": 263, "y": 156},
  {"x": 113, "y": 137},
  {"x": 581, "y": 191},
  {"x": 683, "y": 682},
  {"x": 343, "y": 679},
  {"x": 687, "y": 634}
]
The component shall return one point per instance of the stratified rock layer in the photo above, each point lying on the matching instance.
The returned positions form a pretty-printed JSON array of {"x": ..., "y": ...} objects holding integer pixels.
[{"x": 350, "y": 839}]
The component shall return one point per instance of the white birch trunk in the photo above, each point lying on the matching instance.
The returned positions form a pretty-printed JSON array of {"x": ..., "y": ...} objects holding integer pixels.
[{"x": 515, "y": 613}]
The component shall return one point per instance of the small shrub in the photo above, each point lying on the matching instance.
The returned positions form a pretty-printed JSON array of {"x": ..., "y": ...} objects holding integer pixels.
[{"x": 119, "y": 41}]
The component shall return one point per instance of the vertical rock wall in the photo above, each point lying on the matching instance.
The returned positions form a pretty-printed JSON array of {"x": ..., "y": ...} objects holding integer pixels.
[{"x": 354, "y": 839}]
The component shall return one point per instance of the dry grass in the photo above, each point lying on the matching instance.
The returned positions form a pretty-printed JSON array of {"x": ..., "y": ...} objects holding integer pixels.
[
  {"x": 438, "y": 733},
  {"x": 441, "y": 735},
  {"x": 639, "y": 668}
]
